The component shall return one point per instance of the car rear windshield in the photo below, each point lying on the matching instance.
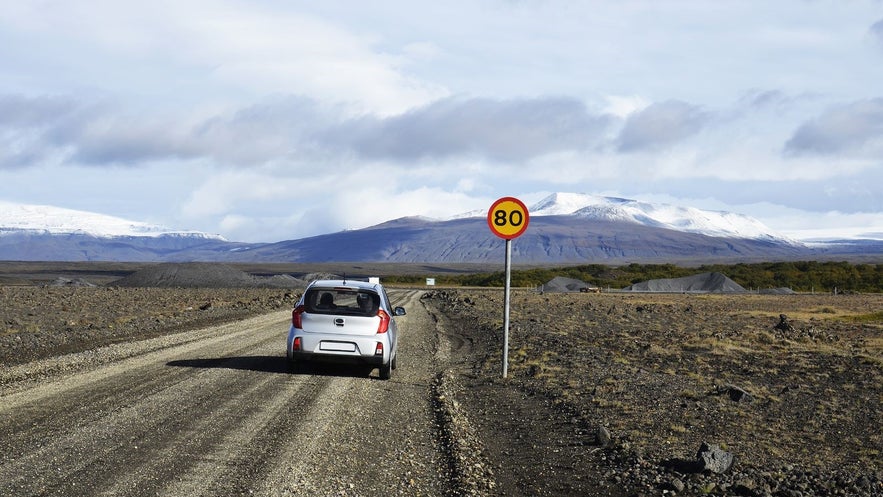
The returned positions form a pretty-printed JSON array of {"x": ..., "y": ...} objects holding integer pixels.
[{"x": 343, "y": 301}]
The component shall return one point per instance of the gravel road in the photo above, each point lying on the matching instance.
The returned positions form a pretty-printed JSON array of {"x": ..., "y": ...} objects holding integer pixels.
[
  {"x": 216, "y": 412},
  {"x": 138, "y": 391}
]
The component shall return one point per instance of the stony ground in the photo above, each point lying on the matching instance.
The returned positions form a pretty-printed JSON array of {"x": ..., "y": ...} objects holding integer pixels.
[
  {"x": 605, "y": 394},
  {"x": 39, "y": 322},
  {"x": 640, "y": 382}
]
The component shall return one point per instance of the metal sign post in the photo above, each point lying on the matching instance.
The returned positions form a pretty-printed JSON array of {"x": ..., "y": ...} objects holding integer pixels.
[
  {"x": 507, "y": 218},
  {"x": 506, "y": 308}
]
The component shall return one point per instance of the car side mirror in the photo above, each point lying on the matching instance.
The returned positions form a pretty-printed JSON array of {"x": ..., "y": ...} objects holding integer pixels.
[{"x": 399, "y": 311}]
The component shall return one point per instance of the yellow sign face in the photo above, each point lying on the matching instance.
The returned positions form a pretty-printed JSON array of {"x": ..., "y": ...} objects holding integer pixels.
[{"x": 508, "y": 218}]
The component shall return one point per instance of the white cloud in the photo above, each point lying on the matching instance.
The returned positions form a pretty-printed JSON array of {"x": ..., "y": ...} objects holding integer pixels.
[
  {"x": 876, "y": 32},
  {"x": 253, "y": 119},
  {"x": 230, "y": 47},
  {"x": 661, "y": 125},
  {"x": 799, "y": 225},
  {"x": 624, "y": 106},
  {"x": 225, "y": 191},
  {"x": 851, "y": 129}
]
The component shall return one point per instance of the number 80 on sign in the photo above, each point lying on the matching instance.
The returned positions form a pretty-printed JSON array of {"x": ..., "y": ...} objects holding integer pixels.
[{"x": 508, "y": 218}]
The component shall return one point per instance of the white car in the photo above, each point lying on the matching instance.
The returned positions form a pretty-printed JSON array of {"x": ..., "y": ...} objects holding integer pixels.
[{"x": 344, "y": 321}]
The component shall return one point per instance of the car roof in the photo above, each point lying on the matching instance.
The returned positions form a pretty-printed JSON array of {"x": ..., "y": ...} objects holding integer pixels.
[{"x": 352, "y": 284}]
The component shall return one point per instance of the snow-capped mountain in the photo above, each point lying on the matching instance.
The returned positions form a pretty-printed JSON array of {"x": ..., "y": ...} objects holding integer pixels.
[
  {"x": 44, "y": 219},
  {"x": 46, "y": 233},
  {"x": 564, "y": 228},
  {"x": 685, "y": 219}
]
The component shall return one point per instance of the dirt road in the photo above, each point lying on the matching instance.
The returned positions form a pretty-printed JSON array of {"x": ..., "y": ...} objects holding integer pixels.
[{"x": 216, "y": 412}]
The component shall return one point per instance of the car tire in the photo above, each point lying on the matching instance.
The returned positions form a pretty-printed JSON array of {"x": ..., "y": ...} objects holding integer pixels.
[
  {"x": 386, "y": 371},
  {"x": 395, "y": 361}
]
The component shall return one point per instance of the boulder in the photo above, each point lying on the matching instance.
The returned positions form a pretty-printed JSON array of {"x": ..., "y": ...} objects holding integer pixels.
[
  {"x": 784, "y": 324},
  {"x": 714, "y": 459},
  {"x": 602, "y": 436}
]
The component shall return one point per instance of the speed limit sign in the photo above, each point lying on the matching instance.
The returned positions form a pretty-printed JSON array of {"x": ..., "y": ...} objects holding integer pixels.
[{"x": 508, "y": 218}]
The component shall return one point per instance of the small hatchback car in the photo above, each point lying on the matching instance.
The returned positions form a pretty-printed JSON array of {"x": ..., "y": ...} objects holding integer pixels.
[{"x": 344, "y": 321}]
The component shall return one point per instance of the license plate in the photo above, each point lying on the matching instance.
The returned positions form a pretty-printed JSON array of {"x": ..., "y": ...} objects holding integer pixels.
[{"x": 338, "y": 346}]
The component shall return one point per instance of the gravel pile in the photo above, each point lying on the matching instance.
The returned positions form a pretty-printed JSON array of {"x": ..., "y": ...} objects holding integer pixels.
[
  {"x": 702, "y": 283},
  {"x": 203, "y": 275},
  {"x": 561, "y": 284}
]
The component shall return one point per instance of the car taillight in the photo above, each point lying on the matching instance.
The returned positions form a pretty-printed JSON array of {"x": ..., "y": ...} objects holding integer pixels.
[
  {"x": 384, "y": 321},
  {"x": 296, "y": 317},
  {"x": 295, "y": 347},
  {"x": 378, "y": 350}
]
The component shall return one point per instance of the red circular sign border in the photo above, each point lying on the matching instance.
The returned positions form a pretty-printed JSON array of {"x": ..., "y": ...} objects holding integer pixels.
[{"x": 490, "y": 217}]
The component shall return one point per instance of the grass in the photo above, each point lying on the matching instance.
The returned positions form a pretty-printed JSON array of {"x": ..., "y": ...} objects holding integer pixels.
[
  {"x": 870, "y": 318},
  {"x": 690, "y": 394},
  {"x": 9, "y": 331}
]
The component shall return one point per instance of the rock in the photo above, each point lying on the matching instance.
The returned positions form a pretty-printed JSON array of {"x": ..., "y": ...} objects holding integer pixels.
[
  {"x": 784, "y": 324},
  {"x": 739, "y": 395},
  {"x": 602, "y": 436},
  {"x": 712, "y": 458},
  {"x": 736, "y": 394},
  {"x": 677, "y": 485},
  {"x": 745, "y": 487}
]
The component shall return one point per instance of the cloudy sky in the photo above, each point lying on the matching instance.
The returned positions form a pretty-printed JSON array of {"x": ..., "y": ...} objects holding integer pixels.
[{"x": 279, "y": 119}]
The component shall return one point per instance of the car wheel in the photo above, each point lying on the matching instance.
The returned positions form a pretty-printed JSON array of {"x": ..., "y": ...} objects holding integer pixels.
[
  {"x": 395, "y": 361},
  {"x": 386, "y": 371}
]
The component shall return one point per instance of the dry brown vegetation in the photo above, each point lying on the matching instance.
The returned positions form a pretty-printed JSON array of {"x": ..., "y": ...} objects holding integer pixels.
[{"x": 665, "y": 372}]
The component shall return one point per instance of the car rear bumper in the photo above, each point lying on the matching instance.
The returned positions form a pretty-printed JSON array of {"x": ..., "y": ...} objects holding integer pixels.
[
  {"x": 337, "y": 358},
  {"x": 339, "y": 348}
]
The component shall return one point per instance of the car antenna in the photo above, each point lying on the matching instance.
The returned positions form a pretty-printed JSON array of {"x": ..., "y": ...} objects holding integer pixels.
[{"x": 344, "y": 278}]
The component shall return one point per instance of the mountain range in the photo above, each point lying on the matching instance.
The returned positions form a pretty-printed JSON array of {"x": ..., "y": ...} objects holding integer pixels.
[{"x": 564, "y": 228}]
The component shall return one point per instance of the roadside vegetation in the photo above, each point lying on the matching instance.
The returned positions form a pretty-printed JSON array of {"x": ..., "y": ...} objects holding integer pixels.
[
  {"x": 800, "y": 276},
  {"x": 790, "y": 385}
]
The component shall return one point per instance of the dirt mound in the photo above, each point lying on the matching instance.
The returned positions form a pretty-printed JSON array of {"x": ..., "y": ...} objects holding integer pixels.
[
  {"x": 321, "y": 276},
  {"x": 76, "y": 282},
  {"x": 700, "y": 283},
  {"x": 203, "y": 275},
  {"x": 562, "y": 284}
]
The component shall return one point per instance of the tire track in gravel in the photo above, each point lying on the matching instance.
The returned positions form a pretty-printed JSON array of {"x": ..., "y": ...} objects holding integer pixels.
[
  {"x": 215, "y": 412},
  {"x": 386, "y": 443},
  {"x": 464, "y": 458},
  {"x": 77, "y": 398},
  {"x": 104, "y": 420}
]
